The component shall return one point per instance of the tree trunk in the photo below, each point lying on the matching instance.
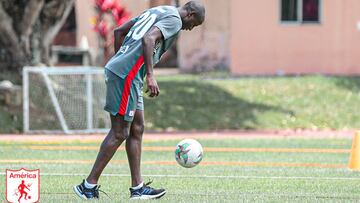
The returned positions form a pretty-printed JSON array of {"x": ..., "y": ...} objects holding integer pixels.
[
  {"x": 11, "y": 51},
  {"x": 55, "y": 14},
  {"x": 27, "y": 29},
  {"x": 31, "y": 14}
]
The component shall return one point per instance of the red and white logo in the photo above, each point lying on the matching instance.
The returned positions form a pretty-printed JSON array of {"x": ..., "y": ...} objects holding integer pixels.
[
  {"x": 131, "y": 113},
  {"x": 22, "y": 186}
]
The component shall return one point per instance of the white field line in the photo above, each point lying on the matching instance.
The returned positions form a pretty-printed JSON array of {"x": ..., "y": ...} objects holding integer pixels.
[
  {"x": 237, "y": 195},
  {"x": 207, "y": 176}
]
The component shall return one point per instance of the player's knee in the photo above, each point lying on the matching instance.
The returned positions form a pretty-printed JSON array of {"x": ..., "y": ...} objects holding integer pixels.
[
  {"x": 120, "y": 134},
  {"x": 138, "y": 128}
]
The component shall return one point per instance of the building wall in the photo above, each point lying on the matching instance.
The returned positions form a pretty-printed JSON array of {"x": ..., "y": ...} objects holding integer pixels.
[
  {"x": 84, "y": 12},
  {"x": 207, "y": 47},
  {"x": 136, "y": 6},
  {"x": 261, "y": 45}
]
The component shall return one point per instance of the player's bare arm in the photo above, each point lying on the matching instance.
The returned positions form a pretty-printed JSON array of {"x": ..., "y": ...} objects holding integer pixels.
[
  {"x": 149, "y": 41},
  {"x": 120, "y": 34}
]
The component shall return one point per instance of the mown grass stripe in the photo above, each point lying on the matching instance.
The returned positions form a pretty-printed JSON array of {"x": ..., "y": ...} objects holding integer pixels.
[
  {"x": 206, "y": 149},
  {"x": 206, "y": 176},
  {"x": 204, "y": 163}
]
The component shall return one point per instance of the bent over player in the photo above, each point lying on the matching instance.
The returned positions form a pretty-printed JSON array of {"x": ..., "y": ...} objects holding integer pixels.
[{"x": 139, "y": 45}]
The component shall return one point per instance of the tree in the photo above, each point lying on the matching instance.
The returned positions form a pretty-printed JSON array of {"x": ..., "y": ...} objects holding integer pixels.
[
  {"x": 105, "y": 26},
  {"x": 27, "y": 29}
]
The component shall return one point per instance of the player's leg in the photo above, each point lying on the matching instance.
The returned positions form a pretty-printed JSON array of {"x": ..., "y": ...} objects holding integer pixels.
[
  {"x": 139, "y": 190},
  {"x": 133, "y": 147},
  {"x": 120, "y": 125},
  {"x": 118, "y": 133},
  {"x": 133, "y": 143}
]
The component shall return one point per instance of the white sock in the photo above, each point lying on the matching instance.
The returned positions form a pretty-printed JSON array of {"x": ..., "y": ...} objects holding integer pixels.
[
  {"x": 138, "y": 187},
  {"x": 89, "y": 185}
]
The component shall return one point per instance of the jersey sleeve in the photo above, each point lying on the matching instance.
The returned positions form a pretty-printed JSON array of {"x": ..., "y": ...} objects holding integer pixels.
[{"x": 169, "y": 26}]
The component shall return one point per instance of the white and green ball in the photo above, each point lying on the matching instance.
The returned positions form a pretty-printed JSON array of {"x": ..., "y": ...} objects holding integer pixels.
[{"x": 188, "y": 153}]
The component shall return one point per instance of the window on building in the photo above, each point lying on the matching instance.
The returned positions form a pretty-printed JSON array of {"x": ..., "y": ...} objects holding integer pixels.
[
  {"x": 67, "y": 33},
  {"x": 300, "y": 11},
  {"x": 289, "y": 10},
  {"x": 310, "y": 11}
]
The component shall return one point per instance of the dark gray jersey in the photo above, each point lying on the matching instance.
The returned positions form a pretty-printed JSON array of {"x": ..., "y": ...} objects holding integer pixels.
[{"x": 129, "y": 56}]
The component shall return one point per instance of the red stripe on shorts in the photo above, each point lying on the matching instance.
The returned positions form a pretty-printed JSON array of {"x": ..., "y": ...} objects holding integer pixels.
[{"x": 127, "y": 85}]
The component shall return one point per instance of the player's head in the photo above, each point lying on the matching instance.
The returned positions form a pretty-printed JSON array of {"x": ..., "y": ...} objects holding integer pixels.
[{"x": 193, "y": 15}]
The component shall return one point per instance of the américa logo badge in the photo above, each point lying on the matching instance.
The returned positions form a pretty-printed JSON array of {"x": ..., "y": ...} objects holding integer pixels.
[{"x": 22, "y": 186}]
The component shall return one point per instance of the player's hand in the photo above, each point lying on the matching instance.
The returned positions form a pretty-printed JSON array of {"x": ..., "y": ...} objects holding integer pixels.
[{"x": 152, "y": 86}]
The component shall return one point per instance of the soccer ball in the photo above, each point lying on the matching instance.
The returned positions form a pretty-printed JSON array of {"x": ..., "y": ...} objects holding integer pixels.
[{"x": 188, "y": 153}]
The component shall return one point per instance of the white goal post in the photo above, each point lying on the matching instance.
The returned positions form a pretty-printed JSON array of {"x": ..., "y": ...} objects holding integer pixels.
[{"x": 64, "y": 100}]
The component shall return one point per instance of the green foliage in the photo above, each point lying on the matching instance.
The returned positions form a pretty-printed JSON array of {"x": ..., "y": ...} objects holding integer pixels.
[
  {"x": 10, "y": 120},
  {"x": 13, "y": 76}
]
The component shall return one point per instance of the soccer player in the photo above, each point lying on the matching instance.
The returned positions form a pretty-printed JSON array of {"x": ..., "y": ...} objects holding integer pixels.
[{"x": 139, "y": 45}]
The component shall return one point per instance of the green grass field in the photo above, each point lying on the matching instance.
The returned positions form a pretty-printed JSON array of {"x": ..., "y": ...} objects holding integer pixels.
[
  {"x": 243, "y": 174},
  {"x": 210, "y": 103}
]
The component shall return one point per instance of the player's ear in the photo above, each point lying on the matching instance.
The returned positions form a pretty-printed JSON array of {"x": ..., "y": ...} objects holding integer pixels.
[{"x": 191, "y": 14}]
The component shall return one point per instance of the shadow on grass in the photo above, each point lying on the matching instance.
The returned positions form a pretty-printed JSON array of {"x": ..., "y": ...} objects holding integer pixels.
[
  {"x": 348, "y": 82},
  {"x": 191, "y": 105}
]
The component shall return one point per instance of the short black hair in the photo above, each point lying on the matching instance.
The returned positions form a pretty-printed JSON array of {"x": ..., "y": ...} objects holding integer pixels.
[{"x": 196, "y": 7}]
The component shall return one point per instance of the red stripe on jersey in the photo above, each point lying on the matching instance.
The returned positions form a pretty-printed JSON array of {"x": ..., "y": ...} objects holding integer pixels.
[{"x": 127, "y": 85}]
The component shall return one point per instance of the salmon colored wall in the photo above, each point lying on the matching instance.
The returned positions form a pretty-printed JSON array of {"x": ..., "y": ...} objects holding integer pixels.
[
  {"x": 260, "y": 44},
  {"x": 84, "y": 11},
  {"x": 136, "y": 7},
  {"x": 207, "y": 46},
  {"x": 154, "y": 3}
]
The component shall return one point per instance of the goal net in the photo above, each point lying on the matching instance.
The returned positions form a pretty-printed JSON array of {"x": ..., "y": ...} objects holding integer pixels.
[{"x": 64, "y": 100}]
